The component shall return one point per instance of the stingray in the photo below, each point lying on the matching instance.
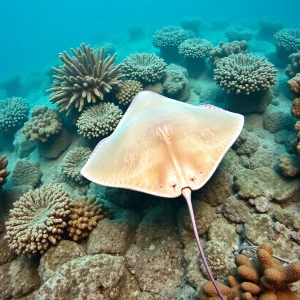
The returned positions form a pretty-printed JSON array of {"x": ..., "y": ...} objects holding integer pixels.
[{"x": 165, "y": 148}]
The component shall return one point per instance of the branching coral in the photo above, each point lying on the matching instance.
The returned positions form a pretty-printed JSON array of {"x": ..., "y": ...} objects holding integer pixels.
[
  {"x": 37, "y": 220},
  {"x": 225, "y": 49},
  {"x": 43, "y": 124},
  {"x": 294, "y": 66},
  {"x": 83, "y": 78},
  {"x": 238, "y": 33},
  {"x": 3, "y": 171},
  {"x": 144, "y": 67},
  {"x": 265, "y": 279},
  {"x": 85, "y": 214},
  {"x": 128, "y": 91},
  {"x": 195, "y": 48},
  {"x": 74, "y": 161},
  {"x": 244, "y": 74},
  {"x": 13, "y": 113},
  {"x": 287, "y": 40},
  {"x": 294, "y": 84},
  {"x": 99, "y": 120}
]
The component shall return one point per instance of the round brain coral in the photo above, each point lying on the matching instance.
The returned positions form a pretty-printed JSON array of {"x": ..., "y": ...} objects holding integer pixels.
[
  {"x": 128, "y": 91},
  {"x": 144, "y": 67},
  {"x": 37, "y": 220},
  {"x": 99, "y": 120},
  {"x": 83, "y": 78},
  {"x": 13, "y": 113},
  {"x": 85, "y": 214},
  {"x": 238, "y": 33},
  {"x": 287, "y": 40},
  {"x": 244, "y": 74},
  {"x": 43, "y": 124},
  {"x": 74, "y": 161}
]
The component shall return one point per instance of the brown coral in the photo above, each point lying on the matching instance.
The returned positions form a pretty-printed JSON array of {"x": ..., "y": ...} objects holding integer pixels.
[
  {"x": 294, "y": 84},
  {"x": 83, "y": 78},
  {"x": 3, "y": 171},
  {"x": 85, "y": 214},
  {"x": 74, "y": 161},
  {"x": 295, "y": 110},
  {"x": 37, "y": 220},
  {"x": 128, "y": 91},
  {"x": 266, "y": 279},
  {"x": 43, "y": 124}
]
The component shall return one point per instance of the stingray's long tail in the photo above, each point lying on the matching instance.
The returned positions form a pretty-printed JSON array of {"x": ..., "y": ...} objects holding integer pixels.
[{"x": 186, "y": 192}]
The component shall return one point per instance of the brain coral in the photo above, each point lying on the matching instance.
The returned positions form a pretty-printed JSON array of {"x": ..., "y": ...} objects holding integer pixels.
[
  {"x": 225, "y": 49},
  {"x": 43, "y": 124},
  {"x": 195, "y": 48},
  {"x": 238, "y": 33},
  {"x": 144, "y": 67},
  {"x": 85, "y": 213},
  {"x": 83, "y": 78},
  {"x": 37, "y": 220},
  {"x": 244, "y": 74},
  {"x": 13, "y": 113},
  {"x": 3, "y": 171},
  {"x": 287, "y": 40},
  {"x": 99, "y": 120},
  {"x": 74, "y": 161},
  {"x": 128, "y": 91}
]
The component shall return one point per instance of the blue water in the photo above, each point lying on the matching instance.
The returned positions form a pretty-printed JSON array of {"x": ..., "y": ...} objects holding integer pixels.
[{"x": 33, "y": 32}]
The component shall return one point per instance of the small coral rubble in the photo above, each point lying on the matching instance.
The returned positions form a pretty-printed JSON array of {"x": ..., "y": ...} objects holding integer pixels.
[{"x": 265, "y": 279}]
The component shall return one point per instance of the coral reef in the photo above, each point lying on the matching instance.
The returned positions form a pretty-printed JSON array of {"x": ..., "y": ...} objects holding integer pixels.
[
  {"x": 266, "y": 279},
  {"x": 43, "y": 124},
  {"x": 225, "y": 49},
  {"x": 167, "y": 39},
  {"x": 295, "y": 109},
  {"x": 128, "y": 91},
  {"x": 3, "y": 171},
  {"x": 26, "y": 173},
  {"x": 268, "y": 27},
  {"x": 287, "y": 42},
  {"x": 191, "y": 23},
  {"x": 144, "y": 67},
  {"x": 13, "y": 113},
  {"x": 37, "y": 220},
  {"x": 74, "y": 161},
  {"x": 294, "y": 66},
  {"x": 84, "y": 78},
  {"x": 99, "y": 120},
  {"x": 85, "y": 213},
  {"x": 238, "y": 33},
  {"x": 294, "y": 84}
]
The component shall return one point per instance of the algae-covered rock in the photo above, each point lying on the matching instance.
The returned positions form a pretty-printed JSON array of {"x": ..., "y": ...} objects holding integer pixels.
[{"x": 236, "y": 210}]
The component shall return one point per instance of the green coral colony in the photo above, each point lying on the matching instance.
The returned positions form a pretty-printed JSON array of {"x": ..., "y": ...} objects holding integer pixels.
[{"x": 63, "y": 237}]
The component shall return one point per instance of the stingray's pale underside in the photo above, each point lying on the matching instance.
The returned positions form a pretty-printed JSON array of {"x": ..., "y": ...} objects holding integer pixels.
[{"x": 162, "y": 146}]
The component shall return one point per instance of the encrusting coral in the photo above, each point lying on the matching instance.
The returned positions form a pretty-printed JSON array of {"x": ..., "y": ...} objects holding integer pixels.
[
  {"x": 74, "y": 161},
  {"x": 85, "y": 213},
  {"x": 13, "y": 113},
  {"x": 99, "y": 120},
  {"x": 144, "y": 67},
  {"x": 238, "y": 33},
  {"x": 244, "y": 74},
  {"x": 128, "y": 91},
  {"x": 3, "y": 171},
  {"x": 43, "y": 124},
  {"x": 225, "y": 49},
  {"x": 264, "y": 279},
  {"x": 84, "y": 78},
  {"x": 37, "y": 220}
]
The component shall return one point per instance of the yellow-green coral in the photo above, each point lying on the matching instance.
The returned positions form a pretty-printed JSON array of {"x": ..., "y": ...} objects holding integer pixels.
[{"x": 128, "y": 91}]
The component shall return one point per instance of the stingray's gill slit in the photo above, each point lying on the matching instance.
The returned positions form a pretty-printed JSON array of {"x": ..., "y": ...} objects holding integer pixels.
[{"x": 186, "y": 192}]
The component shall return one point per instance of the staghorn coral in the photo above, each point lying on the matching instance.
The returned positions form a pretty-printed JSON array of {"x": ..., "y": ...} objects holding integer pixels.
[
  {"x": 294, "y": 66},
  {"x": 83, "y": 78},
  {"x": 176, "y": 86},
  {"x": 225, "y": 49},
  {"x": 244, "y": 74},
  {"x": 85, "y": 213},
  {"x": 144, "y": 67},
  {"x": 43, "y": 124},
  {"x": 268, "y": 27},
  {"x": 37, "y": 220},
  {"x": 74, "y": 161},
  {"x": 128, "y": 91},
  {"x": 294, "y": 84},
  {"x": 191, "y": 23},
  {"x": 3, "y": 171},
  {"x": 167, "y": 39},
  {"x": 13, "y": 113},
  {"x": 265, "y": 278},
  {"x": 99, "y": 120},
  {"x": 26, "y": 173},
  {"x": 238, "y": 33},
  {"x": 287, "y": 41}
]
